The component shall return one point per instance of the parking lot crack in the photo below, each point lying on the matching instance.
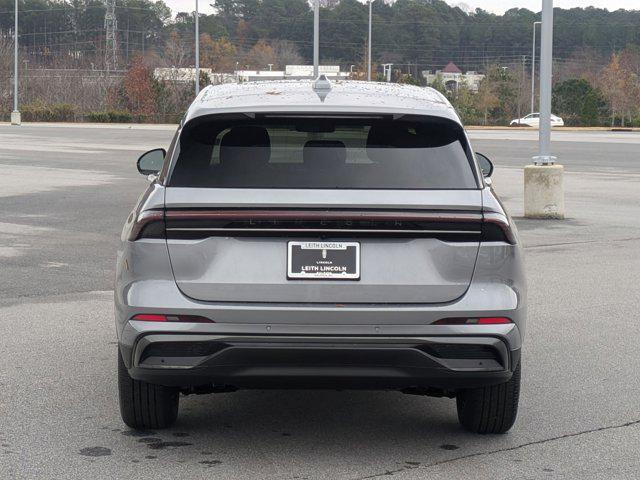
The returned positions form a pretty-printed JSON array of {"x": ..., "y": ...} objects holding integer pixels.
[
  {"x": 499, "y": 450},
  {"x": 584, "y": 242}
]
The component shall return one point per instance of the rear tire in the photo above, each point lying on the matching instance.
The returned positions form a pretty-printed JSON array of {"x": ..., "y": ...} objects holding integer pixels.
[
  {"x": 490, "y": 409},
  {"x": 144, "y": 405}
]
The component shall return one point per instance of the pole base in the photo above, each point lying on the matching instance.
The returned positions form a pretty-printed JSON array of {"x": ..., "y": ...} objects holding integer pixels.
[
  {"x": 544, "y": 191},
  {"x": 544, "y": 160},
  {"x": 16, "y": 118}
]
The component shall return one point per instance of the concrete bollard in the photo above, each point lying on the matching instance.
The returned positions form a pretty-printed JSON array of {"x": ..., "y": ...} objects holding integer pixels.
[
  {"x": 16, "y": 118},
  {"x": 544, "y": 191}
]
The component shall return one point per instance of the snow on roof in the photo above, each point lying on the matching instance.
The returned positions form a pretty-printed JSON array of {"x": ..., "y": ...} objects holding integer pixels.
[{"x": 345, "y": 96}]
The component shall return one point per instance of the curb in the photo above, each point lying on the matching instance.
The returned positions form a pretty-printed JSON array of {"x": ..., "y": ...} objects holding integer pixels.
[
  {"x": 555, "y": 129},
  {"x": 167, "y": 126}
]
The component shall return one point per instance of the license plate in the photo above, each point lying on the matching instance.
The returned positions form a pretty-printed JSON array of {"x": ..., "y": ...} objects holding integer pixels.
[{"x": 324, "y": 260}]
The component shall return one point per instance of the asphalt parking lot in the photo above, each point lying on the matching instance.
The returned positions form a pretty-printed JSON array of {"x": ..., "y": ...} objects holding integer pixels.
[{"x": 64, "y": 194}]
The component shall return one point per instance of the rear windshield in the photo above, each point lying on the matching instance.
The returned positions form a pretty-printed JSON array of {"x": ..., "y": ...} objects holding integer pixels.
[{"x": 323, "y": 152}]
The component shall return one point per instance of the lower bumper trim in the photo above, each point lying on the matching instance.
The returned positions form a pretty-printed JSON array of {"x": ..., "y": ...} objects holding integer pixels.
[{"x": 321, "y": 362}]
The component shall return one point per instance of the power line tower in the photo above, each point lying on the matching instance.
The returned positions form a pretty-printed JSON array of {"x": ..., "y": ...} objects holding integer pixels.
[{"x": 111, "y": 30}]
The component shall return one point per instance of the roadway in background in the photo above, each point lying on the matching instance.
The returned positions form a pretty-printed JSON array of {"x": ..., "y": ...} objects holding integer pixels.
[{"x": 64, "y": 194}]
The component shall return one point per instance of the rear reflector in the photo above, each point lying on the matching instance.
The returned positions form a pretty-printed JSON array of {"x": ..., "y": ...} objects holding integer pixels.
[
  {"x": 146, "y": 317},
  {"x": 150, "y": 318},
  {"x": 474, "y": 321},
  {"x": 493, "y": 321}
]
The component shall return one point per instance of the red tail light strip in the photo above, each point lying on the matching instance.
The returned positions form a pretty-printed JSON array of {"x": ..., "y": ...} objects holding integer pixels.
[
  {"x": 494, "y": 321},
  {"x": 474, "y": 321},
  {"x": 321, "y": 215},
  {"x": 322, "y": 222},
  {"x": 203, "y": 223},
  {"x": 152, "y": 317}
]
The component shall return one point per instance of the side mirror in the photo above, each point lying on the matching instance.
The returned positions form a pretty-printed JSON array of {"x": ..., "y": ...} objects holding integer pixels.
[
  {"x": 151, "y": 162},
  {"x": 485, "y": 165}
]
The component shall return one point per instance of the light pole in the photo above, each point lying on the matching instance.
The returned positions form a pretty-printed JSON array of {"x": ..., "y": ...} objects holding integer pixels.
[
  {"x": 543, "y": 181},
  {"x": 316, "y": 38},
  {"x": 369, "y": 46},
  {"x": 25, "y": 81},
  {"x": 533, "y": 69},
  {"x": 546, "y": 66},
  {"x": 521, "y": 84},
  {"x": 15, "y": 115},
  {"x": 197, "y": 50}
]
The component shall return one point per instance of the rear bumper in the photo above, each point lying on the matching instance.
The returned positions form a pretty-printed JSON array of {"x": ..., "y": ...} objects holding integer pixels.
[
  {"x": 300, "y": 345},
  {"x": 295, "y": 361}
]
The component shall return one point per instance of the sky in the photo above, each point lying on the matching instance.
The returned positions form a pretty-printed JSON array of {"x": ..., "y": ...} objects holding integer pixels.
[{"x": 497, "y": 6}]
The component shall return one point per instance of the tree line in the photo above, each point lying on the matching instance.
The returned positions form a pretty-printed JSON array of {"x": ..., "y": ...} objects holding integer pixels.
[
  {"x": 420, "y": 33},
  {"x": 595, "y": 55}
]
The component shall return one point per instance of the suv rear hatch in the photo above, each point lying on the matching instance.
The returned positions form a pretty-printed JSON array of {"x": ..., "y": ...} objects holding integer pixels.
[{"x": 400, "y": 195}]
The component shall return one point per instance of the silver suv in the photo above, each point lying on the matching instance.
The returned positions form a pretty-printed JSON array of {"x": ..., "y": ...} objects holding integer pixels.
[{"x": 300, "y": 234}]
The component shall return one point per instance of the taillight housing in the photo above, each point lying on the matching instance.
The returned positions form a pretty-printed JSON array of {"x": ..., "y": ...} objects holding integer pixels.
[
  {"x": 497, "y": 228},
  {"x": 492, "y": 227},
  {"x": 148, "y": 224},
  {"x": 156, "y": 317},
  {"x": 474, "y": 321}
]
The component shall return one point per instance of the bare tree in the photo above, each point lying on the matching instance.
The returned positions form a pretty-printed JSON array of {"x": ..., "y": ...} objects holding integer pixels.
[
  {"x": 219, "y": 55},
  {"x": 583, "y": 63},
  {"x": 261, "y": 55},
  {"x": 286, "y": 53},
  {"x": 176, "y": 51},
  {"x": 620, "y": 88},
  {"x": 6, "y": 75}
]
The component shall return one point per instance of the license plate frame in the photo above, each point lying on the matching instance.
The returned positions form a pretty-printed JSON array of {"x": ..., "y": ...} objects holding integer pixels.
[{"x": 333, "y": 260}]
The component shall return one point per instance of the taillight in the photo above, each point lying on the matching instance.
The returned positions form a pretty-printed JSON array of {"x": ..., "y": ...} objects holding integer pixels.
[
  {"x": 149, "y": 224},
  {"x": 152, "y": 317},
  {"x": 496, "y": 228},
  {"x": 474, "y": 321},
  {"x": 447, "y": 226}
]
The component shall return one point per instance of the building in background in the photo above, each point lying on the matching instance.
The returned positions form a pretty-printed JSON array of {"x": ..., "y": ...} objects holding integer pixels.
[
  {"x": 258, "y": 75},
  {"x": 332, "y": 72},
  {"x": 291, "y": 72},
  {"x": 179, "y": 75},
  {"x": 452, "y": 78}
]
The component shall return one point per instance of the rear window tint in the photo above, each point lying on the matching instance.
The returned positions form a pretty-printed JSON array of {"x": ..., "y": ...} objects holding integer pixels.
[{"x": 342, "y": 153}]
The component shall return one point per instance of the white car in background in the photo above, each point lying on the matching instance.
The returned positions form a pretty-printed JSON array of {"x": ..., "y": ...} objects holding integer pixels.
[{"x": 533, "y": 120}]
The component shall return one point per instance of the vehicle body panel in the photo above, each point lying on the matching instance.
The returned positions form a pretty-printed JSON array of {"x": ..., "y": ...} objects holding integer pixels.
[
  {"x": 414, "y": 270},
  {"x": 407, "y": 284}
]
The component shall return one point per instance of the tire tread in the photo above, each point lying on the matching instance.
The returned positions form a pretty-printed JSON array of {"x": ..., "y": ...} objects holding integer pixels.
[
  {"x": 490, "y": 409},
  {"x": 144, "y": 405}
]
